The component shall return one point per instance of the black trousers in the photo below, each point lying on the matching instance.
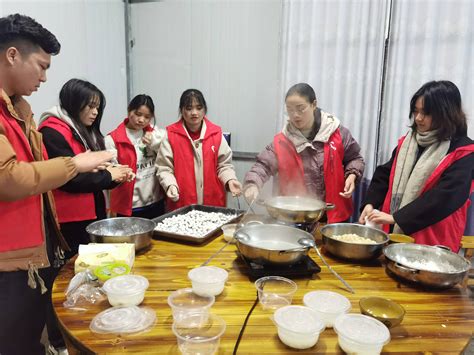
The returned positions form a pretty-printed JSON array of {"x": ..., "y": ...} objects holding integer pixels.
[{"x": 23, "y": 312}]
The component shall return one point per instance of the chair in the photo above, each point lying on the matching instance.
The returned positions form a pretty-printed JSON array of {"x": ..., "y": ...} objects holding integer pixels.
[{"x": 467, "y": 244}]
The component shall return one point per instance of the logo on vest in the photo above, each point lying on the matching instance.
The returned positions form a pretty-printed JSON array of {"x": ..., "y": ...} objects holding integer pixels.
[
  {"x": 332, "y": 145},
  {"x": 213, "y": 148}
]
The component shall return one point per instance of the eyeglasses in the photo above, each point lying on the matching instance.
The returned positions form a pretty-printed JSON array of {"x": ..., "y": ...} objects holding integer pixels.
[{"x": 299, "y": 110}]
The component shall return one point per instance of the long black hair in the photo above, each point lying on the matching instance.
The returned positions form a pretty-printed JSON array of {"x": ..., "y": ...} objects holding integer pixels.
[
  {"x": 190, "y": 95},
  {"x": 75, "y": 95},
  {"x": 442, "y": 100}
]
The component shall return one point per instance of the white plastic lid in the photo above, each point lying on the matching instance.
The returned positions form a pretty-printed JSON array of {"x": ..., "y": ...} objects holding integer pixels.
[
  {"x": 298, "y": 319},
  {"x": 208, "y": 274},
  {"x": 362, "y": 329},
  {"x": 126, "y": 285},
  {"x": 123, "y": 320},
  {"x": 327, "y": 302}
]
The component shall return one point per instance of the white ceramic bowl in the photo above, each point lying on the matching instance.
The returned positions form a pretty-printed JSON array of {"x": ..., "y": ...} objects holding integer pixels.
[
  {"x": 202, "y": 339},
  {"x": 229, "y": 230},
  {"x": 298, "y": 326},
  {"x": 327, "y": 304},
  {"x": 208, "y": 280},
  {"x": 126, "y": 290},
  {"x": 185, "y": 302},
  {"x": 360, "y": 334}
]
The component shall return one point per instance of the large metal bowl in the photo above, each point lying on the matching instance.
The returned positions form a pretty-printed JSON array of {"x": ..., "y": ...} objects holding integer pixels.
[
  {"x": 122, "y": 230},
  {"x": 353, "y": 251},
  {"x": 296, "y": 209},
  {"x": 426, "y": 265},
  {"x": 271, "y": 244}
]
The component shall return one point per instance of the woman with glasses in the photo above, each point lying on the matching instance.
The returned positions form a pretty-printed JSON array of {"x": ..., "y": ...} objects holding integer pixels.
[
  {"x": 423, "y": 190},
  {"x": 194, "y": 161},
  {"x": 314, "y": 155}
]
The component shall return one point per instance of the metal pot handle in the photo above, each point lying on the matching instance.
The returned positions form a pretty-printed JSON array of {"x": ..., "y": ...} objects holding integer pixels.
[
  {"x": 292, "y": 251},
  {"x": 442, "y": 247},
  {"x": 330, "y": 206},
  {"x": 405, "y": 268},
  {"x": 249, "y": 223}
]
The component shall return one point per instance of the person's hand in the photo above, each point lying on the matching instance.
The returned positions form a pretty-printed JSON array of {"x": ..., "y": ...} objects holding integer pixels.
[
  {"x": 173, "y": 193},
  {"x": 365, "y": 212},
  {"x": 251, "y": 193},
  {"x": 379, "y": 217},
  {"x": 146, "y": 139},
  {"x": 349, "y": 186},
  {"x": 119, "y": 173},
  {"x": 91, "y": 161},
  {"x": 234, "y": 187}
]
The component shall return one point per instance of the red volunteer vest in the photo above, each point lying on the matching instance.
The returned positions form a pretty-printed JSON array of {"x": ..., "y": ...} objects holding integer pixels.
[
  {"x": 121, "y": 198},
  {"x": 183, "y": 155},
  {"x": 71, "y": 207},
  {"x": 291, "y": 173},
  {"x": 15, "y": 232},
  {"x": 448, "y": 231}
]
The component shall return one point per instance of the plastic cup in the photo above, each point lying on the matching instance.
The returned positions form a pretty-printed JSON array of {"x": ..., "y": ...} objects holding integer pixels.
[
  {"x": 185, "y": 302},
  {"x": 329, "y": 305},
  {"x": 298, "y": 326},
  {"x": 202, "y": 339},
  {"x": 229, "y": 230},
  {"x": 275, "y": 291},
  {"x": 208, "y": 280}
]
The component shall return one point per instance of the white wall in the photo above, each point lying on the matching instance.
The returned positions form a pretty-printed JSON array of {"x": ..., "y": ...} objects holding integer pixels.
[
  {"x": 92, "y": 37},
  {"x": 227, "y": 49}
]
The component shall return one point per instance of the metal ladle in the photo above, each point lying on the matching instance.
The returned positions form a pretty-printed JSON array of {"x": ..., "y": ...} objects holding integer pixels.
[{"x": 310, "y": 243}]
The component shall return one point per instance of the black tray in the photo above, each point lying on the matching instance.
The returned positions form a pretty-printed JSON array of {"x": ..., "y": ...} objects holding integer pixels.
[{"x": 190, "y": 238}]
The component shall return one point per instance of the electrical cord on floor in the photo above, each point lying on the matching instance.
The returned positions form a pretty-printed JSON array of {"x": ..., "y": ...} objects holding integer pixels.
[{"x": 244, "y": 326}]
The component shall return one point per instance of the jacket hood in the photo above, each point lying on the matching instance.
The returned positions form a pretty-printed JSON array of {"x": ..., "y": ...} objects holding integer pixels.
[
  {"x": 61, "y": 114},
  {"x": 329, "y": 124}
]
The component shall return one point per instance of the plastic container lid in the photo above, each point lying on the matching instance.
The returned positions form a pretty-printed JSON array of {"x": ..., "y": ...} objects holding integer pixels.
[
  {"x": 327, "y": 301},
  {"x": 208, "y": 274},
  {"x": 126, "y": 285},
  {"x": 362, "y": 329},
  {"x": 298, "y": 319},
  {"x": 109, "y": 271},
  {"x": 123, "y": 320}
]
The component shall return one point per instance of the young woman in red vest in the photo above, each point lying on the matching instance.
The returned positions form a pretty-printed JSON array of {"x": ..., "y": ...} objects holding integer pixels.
[
  {"x": 195, "y": 162},
  {"x": 69, "y": 129},
  {"x": 314, "y": 155},
  {"x": 423, "y": 190},
  {"x": 136, "y": 144}
]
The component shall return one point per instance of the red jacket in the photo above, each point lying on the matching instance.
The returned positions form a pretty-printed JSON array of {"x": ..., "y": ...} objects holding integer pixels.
[
  {"x": 183, "y": 155},
  {"x": 291, "y": 173},
  {"x": 448, "y": 231},
  {"x": 121, "y": 198},
  {"x": 22, "y": 220},
  {"x": 71, "y": 207}
]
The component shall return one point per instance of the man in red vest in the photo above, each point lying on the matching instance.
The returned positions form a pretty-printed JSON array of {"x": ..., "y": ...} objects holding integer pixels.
[{"x": 30, "y": 241}]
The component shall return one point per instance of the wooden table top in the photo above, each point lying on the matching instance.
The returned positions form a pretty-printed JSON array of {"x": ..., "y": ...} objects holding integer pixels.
[{"x": 435, "y": 321}]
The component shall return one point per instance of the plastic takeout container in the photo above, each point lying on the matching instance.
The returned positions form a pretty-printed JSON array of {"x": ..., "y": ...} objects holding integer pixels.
[
  {"x": 126, "y": 290},
  {"x": 185, "y": 302},
  {"x": 229, "y": 230},
  {"x": 119, "y": 320},
  {"x": 360, "y": 334},
  {"x": 327, "y": 304},
  {"x": 202, "y": 339},
  {"x": 208, "y": 280},
  {"x": 298, "y": 326},
  {"x": 275, "y": 291}
]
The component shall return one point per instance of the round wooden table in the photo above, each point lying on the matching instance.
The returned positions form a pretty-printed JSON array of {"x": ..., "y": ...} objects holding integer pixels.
[{"x": 435, "y": 321}]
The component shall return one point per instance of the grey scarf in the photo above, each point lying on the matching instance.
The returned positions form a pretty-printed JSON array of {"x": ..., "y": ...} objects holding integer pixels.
[{"x": 409, "y": 177}]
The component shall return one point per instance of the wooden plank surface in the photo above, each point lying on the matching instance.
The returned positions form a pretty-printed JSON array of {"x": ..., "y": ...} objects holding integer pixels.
[{"x": 435, "y": 321}]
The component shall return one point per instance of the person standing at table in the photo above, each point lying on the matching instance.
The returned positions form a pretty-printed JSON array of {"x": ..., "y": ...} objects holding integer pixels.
[
  {"x": 136, "y": 144},
  {"x": 70, "y": 128},
  {"x": 30, "y": 241},
  {"x": 423, "y": 190},
  {"x": 195, "y": 162},
  {"x": 314, "y": 155}
]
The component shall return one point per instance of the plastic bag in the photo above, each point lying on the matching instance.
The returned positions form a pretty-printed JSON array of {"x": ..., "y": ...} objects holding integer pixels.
[{"x": 83, "y": 290}]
